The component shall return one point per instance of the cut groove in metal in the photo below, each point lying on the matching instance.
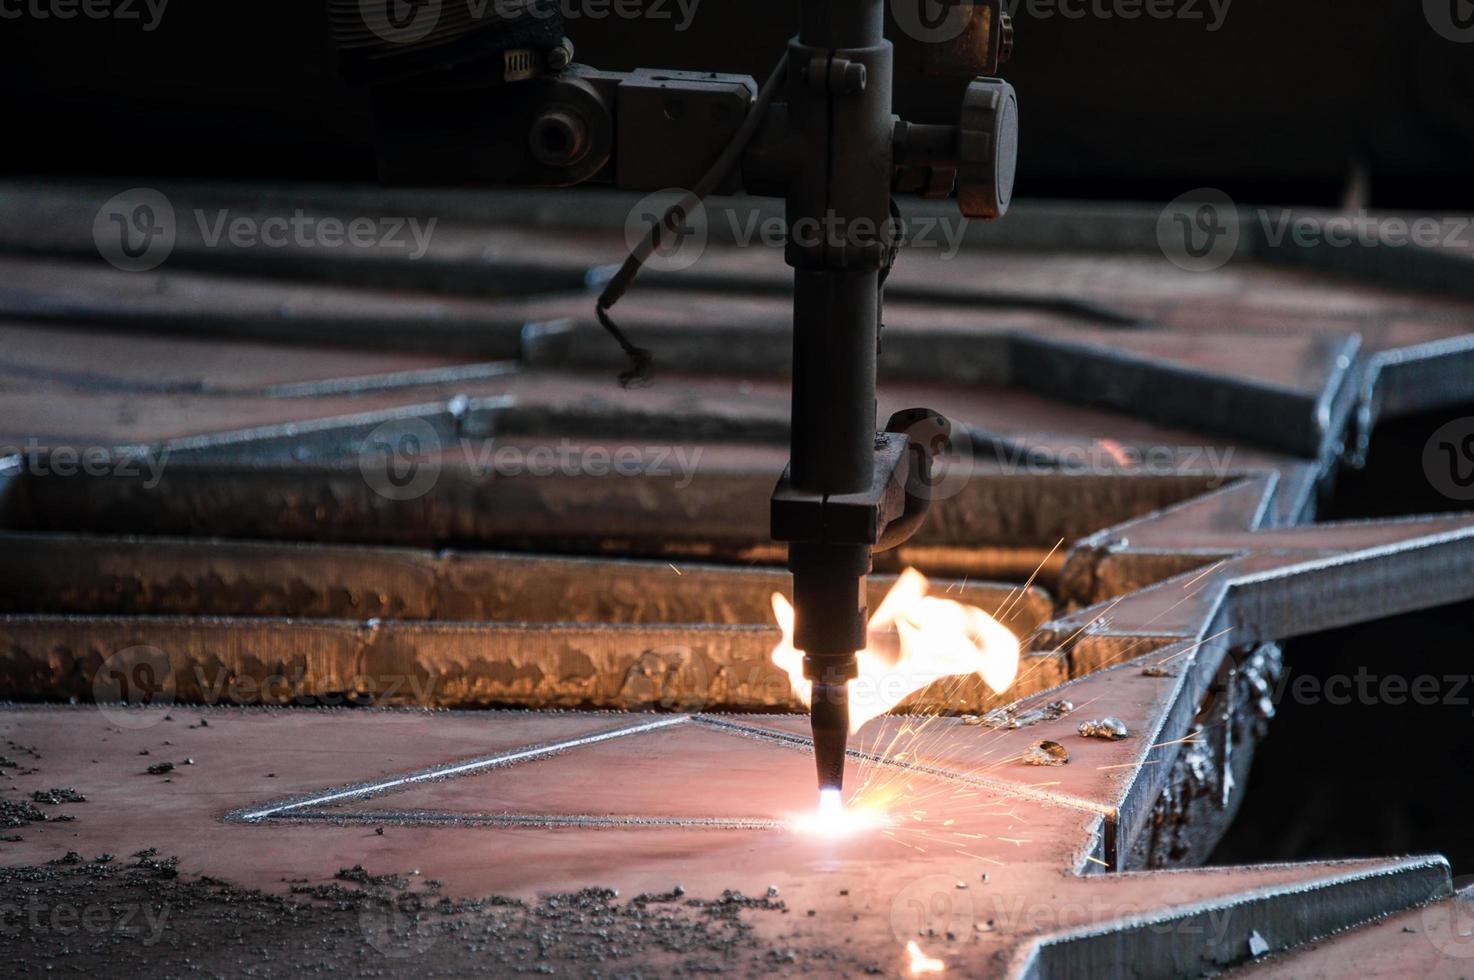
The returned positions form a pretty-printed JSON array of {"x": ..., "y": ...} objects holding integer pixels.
[
  {"x": 416, "y": 818},
  {"x": 365, "y": 790}
]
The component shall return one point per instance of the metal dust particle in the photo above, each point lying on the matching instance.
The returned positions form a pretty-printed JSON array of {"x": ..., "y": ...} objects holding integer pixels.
[
  {"x": 1046, "y": 753},
  {"x": 1009, "y": 716},
  {"x": 1111, "y": 729}
]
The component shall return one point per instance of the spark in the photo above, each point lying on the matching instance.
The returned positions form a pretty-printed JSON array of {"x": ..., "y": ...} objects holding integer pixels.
[
  {"x": 1210, "y": 569},
  {"x": 1185, "y": 740},
  {"x": 1116, "y": 452},
  {"x": 674, "y": 568},
  {"x": 1097, "y": 860},
  {"x": 1016, "y": 595}
]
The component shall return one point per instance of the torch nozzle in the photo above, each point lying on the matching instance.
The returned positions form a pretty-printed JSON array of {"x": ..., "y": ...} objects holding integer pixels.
[{"x": 830, "y": 718}]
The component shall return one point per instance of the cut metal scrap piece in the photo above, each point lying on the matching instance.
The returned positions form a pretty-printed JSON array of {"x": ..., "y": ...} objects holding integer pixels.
[
  {"x": 1109, "y": 728},
  {"x": 1293, "y": 916},
  {"x": 1433, "y": 940},
  {"x": 1045, "y": 753},
  {"x": 1011, "y": 716}
]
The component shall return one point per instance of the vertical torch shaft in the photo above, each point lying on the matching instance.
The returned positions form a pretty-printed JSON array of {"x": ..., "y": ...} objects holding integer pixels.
[{"x": 839, "y": 100}]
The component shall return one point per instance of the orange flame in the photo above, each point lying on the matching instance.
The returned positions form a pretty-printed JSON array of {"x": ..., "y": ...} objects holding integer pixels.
[
  {"x": 921, "y": 963},
  {"x": 914, "y": 640}
]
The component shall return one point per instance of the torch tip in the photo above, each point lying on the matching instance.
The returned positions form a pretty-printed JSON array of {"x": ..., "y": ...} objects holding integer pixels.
[{"x": 830, "y": 721}]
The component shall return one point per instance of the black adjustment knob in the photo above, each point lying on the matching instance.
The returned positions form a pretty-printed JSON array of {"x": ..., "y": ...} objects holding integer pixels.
[{"x": 987, "y": 148}]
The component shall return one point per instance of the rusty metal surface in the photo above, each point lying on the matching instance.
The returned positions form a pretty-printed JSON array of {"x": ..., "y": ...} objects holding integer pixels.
[
  {"x": 1200, "y": 794},
  {"x": 50, "y": 573},
  {"x": 1157, "y": 695},
  {"x": 1289, "y": 393},
  {"x": 697, "y": 502},
  {"x": 434, "y": 664},
  {"x": 650, "y": 633},
  {"x": 1029, "y": 906},
  {"x": 1195, "y": 321}
]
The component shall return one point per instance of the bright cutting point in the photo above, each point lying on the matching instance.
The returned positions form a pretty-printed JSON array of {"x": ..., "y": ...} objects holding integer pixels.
[{"x": 834, "y": 819}]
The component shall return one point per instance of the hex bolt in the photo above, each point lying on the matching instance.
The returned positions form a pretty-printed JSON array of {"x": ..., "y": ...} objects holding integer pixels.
[{"x": 561, "y": 56}]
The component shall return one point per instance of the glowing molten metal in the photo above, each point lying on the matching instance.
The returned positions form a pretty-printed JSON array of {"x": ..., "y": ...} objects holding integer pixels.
[
  {"x": 914, "y": 640},
  {"x": 921, "y": 963}
]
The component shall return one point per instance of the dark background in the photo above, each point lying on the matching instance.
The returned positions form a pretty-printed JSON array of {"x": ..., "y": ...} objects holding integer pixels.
[
  {"x": 1275, "y": 106},
  {"x": 1371, "y": 777}
]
